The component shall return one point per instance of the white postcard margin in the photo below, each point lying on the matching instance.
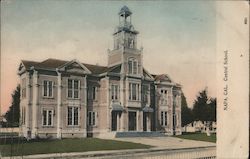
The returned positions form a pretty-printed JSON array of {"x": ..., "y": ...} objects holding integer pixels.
[{"x": 232, "y": 32}]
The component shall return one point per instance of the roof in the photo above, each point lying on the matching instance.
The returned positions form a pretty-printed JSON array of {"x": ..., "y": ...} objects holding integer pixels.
[
  {"x": 161, "y": 77},
  {"x": 96, "y": 69},
  {"x": 55, "y": 63},
  {"x": 125, "y": 10},
  {"x": 29, "y": 64}
]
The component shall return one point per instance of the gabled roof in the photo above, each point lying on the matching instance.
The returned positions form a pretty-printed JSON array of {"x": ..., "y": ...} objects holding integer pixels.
[
  {"x": 162, "y": 77},
  {"x": 147, "y": 75},
  {"x": 53, "y": 64},
  {"x": 78, "y": 64},
  {"x": 165, "y": 78},
  {"x": 95, "y": 69},
  {"x": 28, "y": 64}
]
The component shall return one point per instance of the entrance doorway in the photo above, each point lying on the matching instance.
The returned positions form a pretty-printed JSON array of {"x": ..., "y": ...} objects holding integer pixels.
[
  {"x": 132, "y": 121},
  {"x": 144, "y": 122},
  {"x": 115, "y": 119}
]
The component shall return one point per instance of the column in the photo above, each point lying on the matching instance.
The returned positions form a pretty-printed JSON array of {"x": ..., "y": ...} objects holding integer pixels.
[
  {"x": 118, "y": 122},
  {"x": 156, "y": 108},
  {"x": 34, "y": 104},
  {"x": 122, "y": 122},
  {"x": 122, "y": 100},
  {"x": 137, "y": 120},
  {"x": 148, "y": 122},
  {"x": 108, "y": 105},
  {"x": 28, "y": 87},
  {"x": 59, "y": 104},
  {"x": 85, "y": 119},
  {"x": 140, "y": 92},
  {"x": 172, "y": 111},
  {"x": 141, "y": 120}
]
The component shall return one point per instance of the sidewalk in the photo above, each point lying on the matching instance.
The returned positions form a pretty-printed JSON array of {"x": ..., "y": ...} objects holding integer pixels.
[{"x": 167, "y": 142}]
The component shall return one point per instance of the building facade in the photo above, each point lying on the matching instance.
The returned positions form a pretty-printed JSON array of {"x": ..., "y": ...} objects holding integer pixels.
[{"x": 73, "y": 99}]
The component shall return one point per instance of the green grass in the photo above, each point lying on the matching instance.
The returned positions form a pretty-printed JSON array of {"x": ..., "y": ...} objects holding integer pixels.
[
  {"x": 66, "y": 145},
  {"x": 198, "y": 136}
]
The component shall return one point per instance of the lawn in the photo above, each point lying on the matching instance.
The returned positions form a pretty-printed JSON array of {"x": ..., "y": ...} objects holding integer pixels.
[
  {"x": 198, "y": 136},
  {"x": 65, "y": 145}
]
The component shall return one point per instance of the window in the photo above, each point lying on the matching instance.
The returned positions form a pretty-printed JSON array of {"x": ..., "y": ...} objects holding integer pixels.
[
  {"x": 164, "y": 95},
  {"x": 132, "y": 66},
  {"x": 94, "y": 93},
  {"x": 146, "y": 93},
  {"x": 73, "y": 116},
  {"x": 92, "y": 118},
  {"x": 114, "y": 92},
  {"x": 73, "y": 88},
  {"x": 164, "y": 119},
  {"x": 23, "y": 88},
  {"x": 131, "y": 43},
  {"x": 133, "y": 91},
  {"x": 47, "y": 88},
  {"x": 23, "y": 115},
  {"x": 47, "y": 117}
]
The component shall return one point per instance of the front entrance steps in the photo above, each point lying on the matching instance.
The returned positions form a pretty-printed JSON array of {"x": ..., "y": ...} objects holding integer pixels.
[{"x": 139, "y": 134}]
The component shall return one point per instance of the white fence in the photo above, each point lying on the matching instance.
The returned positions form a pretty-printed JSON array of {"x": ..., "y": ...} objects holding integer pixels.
[{"x": 186, "y": 153}]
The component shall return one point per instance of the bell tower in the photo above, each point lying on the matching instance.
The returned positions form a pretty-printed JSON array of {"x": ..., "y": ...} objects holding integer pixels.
[{"x": 125, "y": 44}]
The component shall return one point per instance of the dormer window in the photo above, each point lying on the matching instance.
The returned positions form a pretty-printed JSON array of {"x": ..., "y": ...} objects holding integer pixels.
[{"x": 132, "y": 66}]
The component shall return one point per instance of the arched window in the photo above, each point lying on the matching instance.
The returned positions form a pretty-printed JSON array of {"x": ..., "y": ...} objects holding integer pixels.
[{"x": 132, "y": 66}]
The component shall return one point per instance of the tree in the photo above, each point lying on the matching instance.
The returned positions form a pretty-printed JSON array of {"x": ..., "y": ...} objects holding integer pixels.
[
  {"x": 13, "y": 114},
  {"x": 186, "y": 112},
  {"x": 204, "y": 107},
  {"x": 200, "y": 106}
]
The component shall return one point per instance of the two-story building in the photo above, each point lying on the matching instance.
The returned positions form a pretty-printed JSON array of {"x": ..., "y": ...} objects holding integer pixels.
[{"x": 74, "y": 99}]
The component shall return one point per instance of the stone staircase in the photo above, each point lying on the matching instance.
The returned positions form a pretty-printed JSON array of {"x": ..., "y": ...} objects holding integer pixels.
[{"x": 139, "y": 134}]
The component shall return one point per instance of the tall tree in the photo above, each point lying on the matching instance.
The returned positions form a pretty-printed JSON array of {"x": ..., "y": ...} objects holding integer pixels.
[
  {"x": 200, "y": 108},
  {"x": 204, "y": 107},
  {"x": 13, "y": 114},
  {"x": 186, "y": 112}
]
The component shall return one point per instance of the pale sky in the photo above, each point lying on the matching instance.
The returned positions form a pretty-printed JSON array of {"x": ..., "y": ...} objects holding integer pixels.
[{"x": 178, "y": 38}]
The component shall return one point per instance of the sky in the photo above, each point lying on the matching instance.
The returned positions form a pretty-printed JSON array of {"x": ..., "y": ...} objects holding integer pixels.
[{"x": 178, "y": 38}]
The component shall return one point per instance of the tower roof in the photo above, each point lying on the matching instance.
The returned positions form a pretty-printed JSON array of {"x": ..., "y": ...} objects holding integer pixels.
[{"x": 125, "y": 11}]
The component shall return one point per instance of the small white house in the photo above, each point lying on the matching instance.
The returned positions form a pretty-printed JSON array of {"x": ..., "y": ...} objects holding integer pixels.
[{"x": 199, "y": 126}]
